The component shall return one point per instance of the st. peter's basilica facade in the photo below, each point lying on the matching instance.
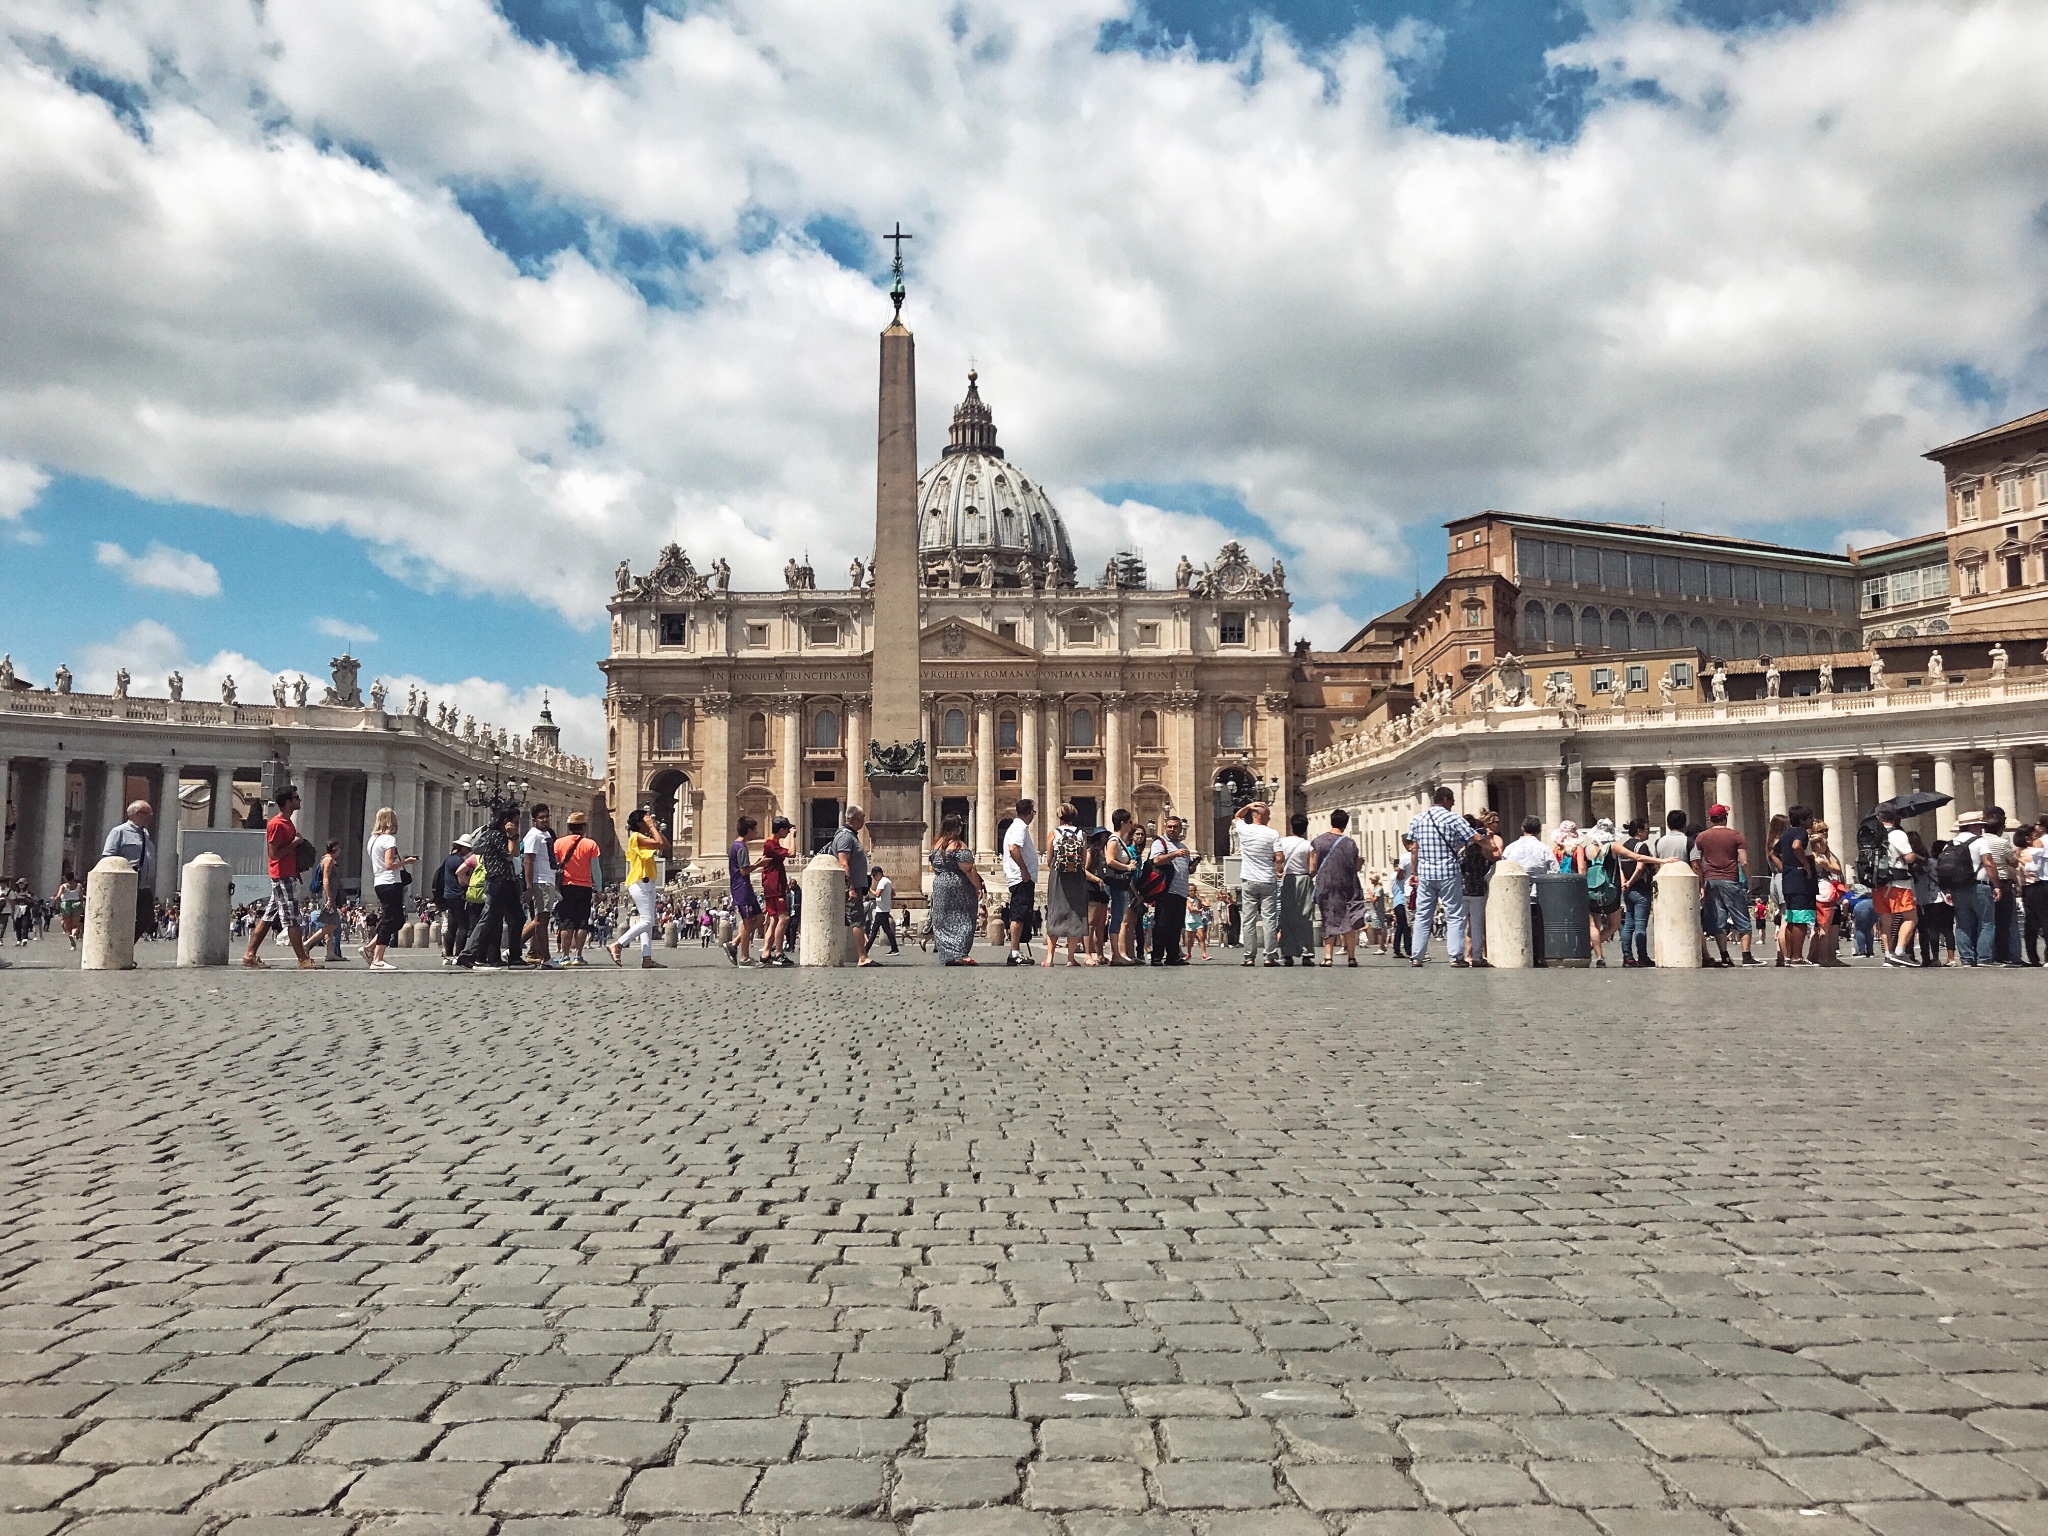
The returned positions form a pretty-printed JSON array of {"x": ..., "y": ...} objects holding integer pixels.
[{"x": 725, "y": 703}]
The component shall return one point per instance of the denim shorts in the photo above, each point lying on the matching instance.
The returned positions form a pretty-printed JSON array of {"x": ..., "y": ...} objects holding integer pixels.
[{"x": 1725, "y": 908}]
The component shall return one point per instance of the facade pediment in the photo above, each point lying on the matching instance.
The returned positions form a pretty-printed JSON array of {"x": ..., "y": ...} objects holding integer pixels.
[{"x": 959, "y": 640}]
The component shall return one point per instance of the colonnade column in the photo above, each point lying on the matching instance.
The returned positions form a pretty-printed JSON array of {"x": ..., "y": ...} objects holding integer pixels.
[
  {"x": 2026, "y": 796},
  {"x": 1724, "y": 789},
  {"x": 857, "y": 743},
  {"x": 1472, "y": 794},
  {"x": 1624, "y": 797},
  {"x": 1032, "y": 761},
  {"x": 1775, "y": 803},
  {"x": 1833, "y": 810},
  {"x": 1945, "y": 784},
  {"x": 1887, "y": 778},
  {"x": 1055, "y": 779},
  {"x": 1116, "y": 787},
  {"x": 50, "y": 855},
  {"x": 2004, "y": 787},
  {"x": 221, "y": 812},
  {"x": 1553, "y": 798},
  {"x": 984, "y": 833},
  {"x": 168, "y": 810},
  {"x": 1674, "y": 791},
  {"x": 793, "y": 767},
  {"x": 5, "y": 781}
]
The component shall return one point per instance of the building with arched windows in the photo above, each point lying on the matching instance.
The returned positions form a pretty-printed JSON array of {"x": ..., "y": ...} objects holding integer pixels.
[{"x": 1117, "y": 693}]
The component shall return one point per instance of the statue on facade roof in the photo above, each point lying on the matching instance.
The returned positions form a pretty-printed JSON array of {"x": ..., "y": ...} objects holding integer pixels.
[
  {"x": 412, "y": 698},
  {"x": 1937, "y": 669},
  {"x": 1183, "y": 574},
  {"x": 1877, "y": 670},
  {"x": 121, "y": 681},
  {"x": 857, "y": 571},
  {"x": 176, "y": 683},
  {"x": 277, "y": 691},
  {"x": 1827, "y": 676},
  {"x": 1720, "y": 683},
  {"x": 1999, "y": 658},
  {"x": 63, "y": 680},
  {"x": 422, "y": 710},
  {"x": 623, "y": 576},
  {"x": 7, "y": 670},
  {"x": 1771, "y": 680},
  {"x": 1667, "y": 688},
  {"x": 301, "y": 691},
  {"x": 227, "y": 689},
  {"x": 1279, "y": 573},
  {"x": 344, "y": 694},
  {"x": 722, "y": 574}
]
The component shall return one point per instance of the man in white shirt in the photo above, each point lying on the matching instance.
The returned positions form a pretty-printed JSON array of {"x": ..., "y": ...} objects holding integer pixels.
[
  {"x": 1531, "y": 852},
  {"x": 1258, "y": 883},
  {"x": 537, "y": 860},
  {"x": 883, "y": 890},
  {"x": 1898, "y": 910},
  {"x": 1020, "y": 873}
]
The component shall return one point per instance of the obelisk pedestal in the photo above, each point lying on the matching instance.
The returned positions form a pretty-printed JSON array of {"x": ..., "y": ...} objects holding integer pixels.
[{"x": 896, "y": 768}]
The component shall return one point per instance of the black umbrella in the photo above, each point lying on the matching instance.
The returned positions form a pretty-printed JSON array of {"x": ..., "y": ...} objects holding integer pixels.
[{"x": 1918, "y": 803}]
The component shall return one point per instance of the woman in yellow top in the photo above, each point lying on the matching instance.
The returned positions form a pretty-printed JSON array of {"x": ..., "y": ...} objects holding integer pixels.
[{"x": 644, "y": 841}]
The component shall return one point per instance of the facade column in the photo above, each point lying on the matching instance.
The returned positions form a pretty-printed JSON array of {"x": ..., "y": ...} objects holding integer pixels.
[
  {"x": 1834, "y": 809},
  {"x": 222, "y": 810},
  {"x": 2026, "y": 796},
  {"x": 1887, "y": 778},
  {"x": 1775, "y": 803},
  {"x": 164, "y": 830},
  {"x": 1674, "y": 790},
  {"x": 50, "y": 854},
  {"x": 1945, "y": 784},
  {"x": 1624, "y": 797},
  {"x": 1724, "y": 791},
  {"x": 6, "y": 785},
  {"x": 857, "y": 743},
  {"x": 1553, "y": 799},
  {"x": 2004, "y": 786},
  {"x": 792, "y": 795},
  {"x": 984, "y": 831},
  {"x": 1033, "y": 761},
  {"x": 1116, "y": 778},
  {"x": 1055, "y": 761}
]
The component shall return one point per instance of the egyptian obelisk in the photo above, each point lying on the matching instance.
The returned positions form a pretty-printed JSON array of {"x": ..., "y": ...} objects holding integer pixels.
[{"x": 896, "y": 761}]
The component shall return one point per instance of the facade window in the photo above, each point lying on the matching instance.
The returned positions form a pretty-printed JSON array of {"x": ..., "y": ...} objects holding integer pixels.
[
  {"x": 1966, "y": 504},
  {"x": 757, "y": 733},
  {"x": 1148, "y": 729},
  {"x": 1081, "y": 729},
  {"x": 953, "y": 728},
  {"x": 675, "y": 629},
  {"x": 1876, "y": 590},
  {"x": 1586, "y": 567},
  {"x": 1674, "y": 632},
  {"x": 1560, "y": 678},
  {"x": 1681, "y": 674},
  {"x": 1667, "y": 575},
  {"x": 1233, "y": 728},
  {"x": 1774, "y": 640},
  {"x": 1617, "y": 630},
  {"x": 1642, "y": 573},
  {"x": 1638, "y": 677},
  {"x": 1973, "y": 581},
  {"x": 757, "y": 636},
  {"x": 1720, "y": 582},
  {"x": 1696, "y": 635},
  {"x": 1748, "y": 643},
  {"x": 1603, "y": 679},
  {"x": 1591, "y": 630},
  {"x": 1475, "y": 615},
  {"x": 1798, "y": 641},
  {"x": 1535, "y": 625},
  {"x": 1745, "y": 583},
  {"x": 1080, "y": 631},
  {"x": 1934, "y": 581},
  {"x": 1148, "y": 634},
  {"x": 2015, "y": 570},
  {"x": 1006, "y": 733},
  {"x": 1230, "y": 629},
  {"x": 672, "y": 732},
  {"x": 1770, "y": 588},
  {"x": 1614, "y": 570},
  {"x": 1724, "y": 638},
  {"x": 1471, "y": 653},
  {"x": 1646, "y": 632},
  {"x": 1007, "y": 629},
  {"x": 1692, "y": 578},
  {"x": 2041, "y": 487},
  {"x": 825, "y": 731},
  {"x": 1562, "y": 629},
  {"x": 1557, "y": 562},
  {"x": 1459, "y": 542},
  {"x": 823, "y": 632},
  {"x": 2009, "y": 494}
]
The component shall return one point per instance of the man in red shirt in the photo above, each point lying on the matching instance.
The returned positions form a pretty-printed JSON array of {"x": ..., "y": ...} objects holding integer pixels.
[
  {"x": 575, "y": 853},
  {"x": 1722, "y": 856},
  {"x": 281, "y": 843}
]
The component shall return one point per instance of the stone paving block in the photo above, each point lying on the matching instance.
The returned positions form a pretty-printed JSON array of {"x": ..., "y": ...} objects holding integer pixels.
[
  {"x": 1966, "y": 1475},
  {"x": 1353, "y": 1486},
  {"x": 120, "y": 1441},
  {"x": 752, "y": 1440},
  {"x": 449, "y": 1488},
  {"x": 628, "y": 1443},
  {"x": 1098, "y": 1440},
  {"x": 1728, "y": 1484},
  {"x": 694, "y": 1490},
  {"x": 168, "y": 1488},
  {"x": 557, "y": 1488},
  {"x": 1009, "y": 1438},
  {"x": 950, "y": 1483},
  {"x": 1921, "y": 1520},
  {"x": 39, "y": 1487},
  {"x": 1084, "y": 1485},
  {"x": 1598, "y": 1484},
  {"x": 818, "y": 1487},
  {"x": 1659, "y": 1522},
  {"x": 982, "y": 1522},
  {"x": 372, "y": 1440},
  {"x": 279, "y": 1491},
  {"x": 1217, "y": 1485},
  {"x": 1540, "y": 1521},
  {"x": 497, "y": 1440},
  {"x": 1843, "y": 1479},
  {"x": 1469, "y": 1484},
  {"x": 1402, "y": 1523}
]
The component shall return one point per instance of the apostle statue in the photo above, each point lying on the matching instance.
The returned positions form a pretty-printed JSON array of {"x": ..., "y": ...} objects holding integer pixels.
[
  {"x": 1998, "y": 661},
  {"x": 7, "y": 670},
  {"x": 121, "y": 681},
  {"x": 412, "y": 699},
  {"x": 1667, "y": 689},
  {"x": 422, "y": 710},
  {"x": 1279, "y": 574},
  {"x": 1827, "y": 677},
  {"x": 789, "y": 574},
  {"x": 1771, "y": 680},
  {"x": 1877, "y": 682},
  {"x": 227, "y": 689},
  {"x": 301, "y": 691},
  {"x": 722, "y": 574},
  {"x": 1720, "y": 683},
  {"x": 277, "y": 686},
  {"x": 377, "y": 695},
  {"x": 1183, "y": 574},
  {"x": 63, "y": 683},
  {"x": 176, "y": 683},
  {"x": 623, "y": 576},
  {"x": 1937, "y": 670},
  {"x": 857, "y": 571},
  {"x": 469, "y": 727}
]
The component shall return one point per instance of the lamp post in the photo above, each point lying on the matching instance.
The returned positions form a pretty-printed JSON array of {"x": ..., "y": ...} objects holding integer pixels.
[{"x": 497, "y": 793}]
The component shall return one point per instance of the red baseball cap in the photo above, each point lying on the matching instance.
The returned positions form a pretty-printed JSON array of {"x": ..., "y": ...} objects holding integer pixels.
[{"x": 1716, "y": 810}]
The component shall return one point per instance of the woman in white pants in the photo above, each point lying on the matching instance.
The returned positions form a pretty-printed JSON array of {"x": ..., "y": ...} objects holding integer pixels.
[{"x": 644, "y": 841}]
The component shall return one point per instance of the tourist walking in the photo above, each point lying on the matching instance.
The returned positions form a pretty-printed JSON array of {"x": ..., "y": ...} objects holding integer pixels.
[
  {"x": 773, "y": 866},
  {"x": 746, "y": 906},
  {"x": 853, "y": 858},
  {"x": 2032, "y": 853},
  {"x": 956, "y": 893},
  {"x": 541, "y": 878},
  {"x": 1097, "y": 872},
  {"x": 451, "y": 891},
  {"x": 1721, "y": 855},
  {"x": 1439, "y": 832},
  {"x": 1404, "y": 900},
  {"x": 1827, "y": 868},
  {"x": 1297, "y": 894},
  {"x": 1333, "y": 862},
  {"x": 883, "y": 890},
  {"x": 131, "y": 840},
  {"x": 1258, "y": 883},
  {"x": 496, "y": 931},
  {"x": 326, "y": 886},
  {"x": 1120, "y": 860},
  {"x": 70, "y": 909},
  {"x": 388, "y": 880},
  {"x": 1600, "y": 867},
  {"x": 1638, "y": 878},
  {"x": 645, "y": 842},
  {"x": 1798, "y": 886},
  {"x": 577, "y": 858},
  {"x": 1475, "y": 868},
  {"x": 1020, "y": 874},
  {"x": 1169, "y": 853},
  {"x": 1066, "y": 889},
  {"x": 281, "y": 849}
]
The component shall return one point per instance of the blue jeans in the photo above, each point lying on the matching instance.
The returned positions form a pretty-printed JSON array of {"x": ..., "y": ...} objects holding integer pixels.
[
  {"x": 1635, "y": 926},
  {"x": 1864, "y": 916},
  {"x": 1976, "y": 928},
  {"x": 1259, "y": 920},
  {"x": 1447, "y": 891}
]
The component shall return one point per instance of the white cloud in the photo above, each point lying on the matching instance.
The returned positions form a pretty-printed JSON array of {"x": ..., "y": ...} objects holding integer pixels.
[
  {"x": 20, "y": 485},
  {"x": 342, "y": 629},
  {"x": 161, "y": 567},
  {"x": 1739, "y": 295}
]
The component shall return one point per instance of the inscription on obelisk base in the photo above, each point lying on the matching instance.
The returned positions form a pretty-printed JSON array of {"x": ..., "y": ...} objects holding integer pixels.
[{"x": 896, "y": 768}]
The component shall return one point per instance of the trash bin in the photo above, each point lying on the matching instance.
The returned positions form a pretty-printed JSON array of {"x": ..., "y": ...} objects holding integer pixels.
[{"x": 1562, "y": 914}]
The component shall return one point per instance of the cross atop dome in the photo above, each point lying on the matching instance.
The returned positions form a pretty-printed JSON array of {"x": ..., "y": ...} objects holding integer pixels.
[{"x": 974, "y": 428}]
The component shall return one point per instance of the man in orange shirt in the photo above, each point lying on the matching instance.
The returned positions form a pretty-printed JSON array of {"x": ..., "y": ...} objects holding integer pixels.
[
  {"x": 577, "y": 856},
  {"x": 281, "y": 843}
]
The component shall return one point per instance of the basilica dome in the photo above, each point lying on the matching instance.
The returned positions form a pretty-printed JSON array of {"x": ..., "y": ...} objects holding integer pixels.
[{"x": 983, "y": 523}]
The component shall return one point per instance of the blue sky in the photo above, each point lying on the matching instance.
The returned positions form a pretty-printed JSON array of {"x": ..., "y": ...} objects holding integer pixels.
[{"x": 445, "y": 318}]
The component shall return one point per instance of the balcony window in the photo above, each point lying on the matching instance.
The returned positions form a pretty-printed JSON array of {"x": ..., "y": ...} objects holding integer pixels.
[
  {"x": 1081, "y": 729},
  {"x": 825, "y": 731},
  {"x": 1006, "y": 733},
  {"x": 1148, "y": 729},
  {"x": 1681, "y": 674},
  {"x": 1230, "y": 629},
  {"x": 2015, "y": 570},
  {"x": 757, "y": 636},
  {"x": 2009, "y": 494},
  {"x": 1233, "y": 729},
  {"x": 1603, "y": 679},
  {"x": 1638, "y": 679},
  {"x": 953, "y": 728},
  {"x": 675, "y": 629},
  {"x": 1080, "y": 631},
  {"x": 1966, "y": 504},
  {"x": 1007, "y": 629},
  {"x": 822, "y": 632},
  {"x": 671, "y": 737},
  {"x": 1148, "y": 634},
  {"x": 757, "y": 733},
  {"x": 1475, "y": 615}
]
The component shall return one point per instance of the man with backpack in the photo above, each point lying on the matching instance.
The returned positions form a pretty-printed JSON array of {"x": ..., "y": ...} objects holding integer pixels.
[
  {"x": 1163, "y": 882},
  {"x": 282, "y": 845},
  {"x": 498, "y": 929},
  {"x": 1890, "y": 876},
  {"x": 451, "y": 893}
]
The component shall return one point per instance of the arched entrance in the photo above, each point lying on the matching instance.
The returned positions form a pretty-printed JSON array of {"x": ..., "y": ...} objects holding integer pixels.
[
  {"x": 1234, "y": 789},
  {"x": 669, "y": 797}
]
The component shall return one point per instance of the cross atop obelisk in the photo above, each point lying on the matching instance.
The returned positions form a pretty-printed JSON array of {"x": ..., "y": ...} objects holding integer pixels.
[{"x": 896, "y": 768}]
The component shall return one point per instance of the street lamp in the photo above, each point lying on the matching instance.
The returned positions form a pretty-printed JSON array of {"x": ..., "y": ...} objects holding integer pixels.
[{"x": 496, "y": 793}]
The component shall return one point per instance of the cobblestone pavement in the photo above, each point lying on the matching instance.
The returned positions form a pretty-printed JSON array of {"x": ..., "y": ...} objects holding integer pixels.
[{"x": 989, "y": 1254}]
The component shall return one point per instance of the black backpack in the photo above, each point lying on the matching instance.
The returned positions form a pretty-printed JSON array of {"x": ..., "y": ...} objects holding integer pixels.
[{"x": 1955, "y": 867}]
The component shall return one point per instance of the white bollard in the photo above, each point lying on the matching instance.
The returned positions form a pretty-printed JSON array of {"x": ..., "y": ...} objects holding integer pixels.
[
  {"x": 823, "y": 939},
  {"x": 1675, "y": 919},
  {"x": 669, "y": 933},
  {"x": 204, "y": 906},
  {"x": 1508, "y": 943},
  {"x": 109, "y": 916}
]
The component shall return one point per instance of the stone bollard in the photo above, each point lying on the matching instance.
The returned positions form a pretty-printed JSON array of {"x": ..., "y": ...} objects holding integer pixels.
[
  {"x": 109, "y": 943},
  {"x": 823, "y": 939},
  {"x": 1675, "y": 919},
  {"x": 670, "y": 933},
  {"x": 1508, "y": 943},
  {"x": 204, "y": 905}
]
